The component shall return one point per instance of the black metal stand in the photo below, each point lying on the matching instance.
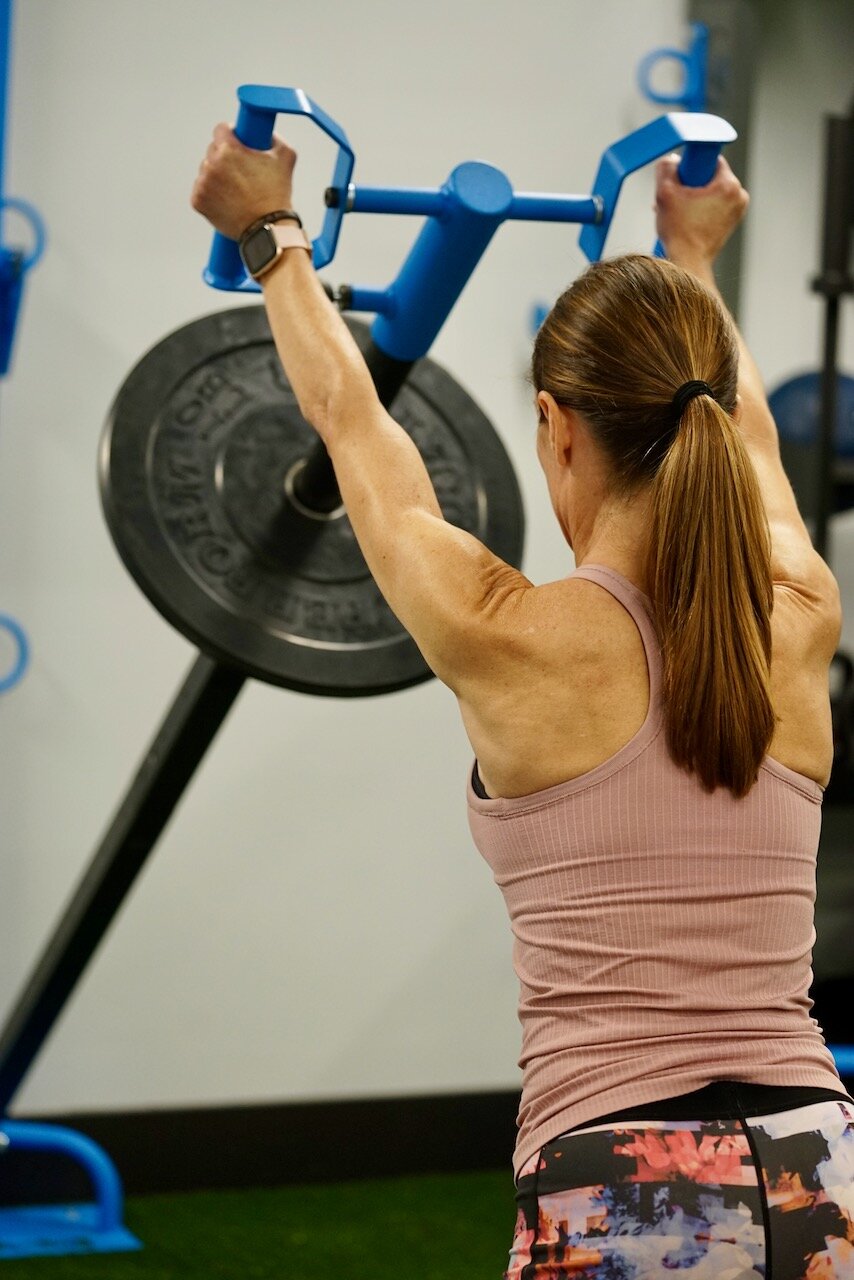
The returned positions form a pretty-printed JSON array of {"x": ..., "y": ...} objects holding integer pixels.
[
  {"x": 734, "y": 37},
  {"x": 833, "y": 281},
  {"x": 187, "y": 731}
]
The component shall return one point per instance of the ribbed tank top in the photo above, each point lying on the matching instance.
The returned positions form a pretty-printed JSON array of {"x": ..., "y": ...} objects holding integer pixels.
[{"x": 662, "y": 935}]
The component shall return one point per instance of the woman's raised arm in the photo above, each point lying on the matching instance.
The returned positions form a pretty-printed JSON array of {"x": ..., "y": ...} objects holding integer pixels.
[
  {"x": 446, "y": 587},
  {"x": 693, "y": 224}
]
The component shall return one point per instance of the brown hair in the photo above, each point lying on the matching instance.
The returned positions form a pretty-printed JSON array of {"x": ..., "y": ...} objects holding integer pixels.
[{"x": 615, "y": 348}]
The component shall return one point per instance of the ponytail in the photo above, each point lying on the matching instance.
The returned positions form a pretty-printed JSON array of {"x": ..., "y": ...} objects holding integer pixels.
[
  {"x": 616, "y": 347},
  {"x": 709, "y": 570}
]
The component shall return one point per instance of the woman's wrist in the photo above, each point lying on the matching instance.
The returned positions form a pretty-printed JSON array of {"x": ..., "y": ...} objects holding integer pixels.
[
  {"x": 278, "y": 215},
  {"x": 291, "y": 254},
  {"x": 698, "y": 262}
]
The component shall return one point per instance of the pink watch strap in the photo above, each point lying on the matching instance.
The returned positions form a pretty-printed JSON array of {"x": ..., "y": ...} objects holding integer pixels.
[{"x": 288, "y": 235}]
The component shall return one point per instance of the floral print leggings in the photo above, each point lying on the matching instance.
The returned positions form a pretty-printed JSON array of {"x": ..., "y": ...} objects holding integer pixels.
[{"x": 771, "y": 1196}]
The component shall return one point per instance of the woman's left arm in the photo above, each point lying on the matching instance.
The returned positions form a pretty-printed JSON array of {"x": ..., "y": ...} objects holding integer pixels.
[{"x": 450, "y": 592}]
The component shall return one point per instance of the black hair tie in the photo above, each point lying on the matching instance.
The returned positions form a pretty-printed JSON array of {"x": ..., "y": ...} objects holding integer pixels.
[{"x": 687, "y": 392}]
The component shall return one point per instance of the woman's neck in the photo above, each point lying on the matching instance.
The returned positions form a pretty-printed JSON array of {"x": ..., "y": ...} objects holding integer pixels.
[{"x": 616, "y": 535}]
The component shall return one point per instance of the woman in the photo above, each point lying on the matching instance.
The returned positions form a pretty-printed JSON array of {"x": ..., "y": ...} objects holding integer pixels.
[{"x": 652, "y": 737}]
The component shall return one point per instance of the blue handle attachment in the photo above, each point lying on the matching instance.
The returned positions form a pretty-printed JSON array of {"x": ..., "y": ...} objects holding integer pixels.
[
  {"x": 695, "y": 66},
  {"x": 701, "y": 135},
  {"x": 256, "y": 119},
  {"x": 461, "y": 217}
]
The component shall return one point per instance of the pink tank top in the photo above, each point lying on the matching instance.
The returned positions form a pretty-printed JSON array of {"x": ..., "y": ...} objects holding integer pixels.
[{"x": 662, "y": 935}]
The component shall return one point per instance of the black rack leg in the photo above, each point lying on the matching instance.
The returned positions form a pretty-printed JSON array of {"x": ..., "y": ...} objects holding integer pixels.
[
  {"x": 834, "y": 281},
  {"x": 200, "y": 707},
  {"x": 826, "y": 483}
]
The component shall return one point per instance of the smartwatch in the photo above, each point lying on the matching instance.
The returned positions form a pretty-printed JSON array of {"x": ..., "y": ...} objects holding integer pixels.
[{"x": 264, "y": 242}]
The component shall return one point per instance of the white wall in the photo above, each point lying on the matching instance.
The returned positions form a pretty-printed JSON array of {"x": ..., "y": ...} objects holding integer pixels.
[{"x": 315, "y": 922}]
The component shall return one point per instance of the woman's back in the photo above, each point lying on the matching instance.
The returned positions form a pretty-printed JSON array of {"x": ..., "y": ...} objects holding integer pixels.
[
  {"x": 663, "y": 932},
  {"x": 573, "y": 688}
]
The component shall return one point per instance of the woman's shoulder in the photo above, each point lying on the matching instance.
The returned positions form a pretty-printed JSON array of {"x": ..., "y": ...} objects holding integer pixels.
[
  {"x": 564, "y": 690},
  {"x": 573, "y": 616},
  {"x": 805, "y": 630}
]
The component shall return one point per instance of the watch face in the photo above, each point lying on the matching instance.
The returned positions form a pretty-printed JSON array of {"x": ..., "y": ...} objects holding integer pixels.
[{"x": 258, "y": 250}]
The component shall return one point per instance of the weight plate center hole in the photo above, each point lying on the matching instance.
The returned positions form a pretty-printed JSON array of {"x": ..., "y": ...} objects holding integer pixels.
[{"x": 290, "y": 478}]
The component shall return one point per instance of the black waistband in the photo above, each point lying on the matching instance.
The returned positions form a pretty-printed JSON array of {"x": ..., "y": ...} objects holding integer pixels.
[
  {"x": 725, "y": 1100},
  {"x": 477, "y": 786}
]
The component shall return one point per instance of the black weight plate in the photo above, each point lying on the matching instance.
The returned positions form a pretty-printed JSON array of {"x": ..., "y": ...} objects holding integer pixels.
[{"x": 195, "y": 462}]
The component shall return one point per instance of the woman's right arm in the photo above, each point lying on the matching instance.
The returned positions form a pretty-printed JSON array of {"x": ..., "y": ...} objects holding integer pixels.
[{"x": 693, "y": 224}]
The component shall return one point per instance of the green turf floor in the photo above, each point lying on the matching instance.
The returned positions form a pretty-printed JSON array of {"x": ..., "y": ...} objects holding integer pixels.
[{"x": 426, "y": 1228}]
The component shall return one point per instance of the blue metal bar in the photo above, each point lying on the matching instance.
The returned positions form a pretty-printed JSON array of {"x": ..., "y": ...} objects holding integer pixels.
[
  {"x": 407, "y": 200},
  {"x": 379, "y": 301},
  {"x": 458, "y": 246},
  {"x": 442, "y": 259},
  {"x": 526, "y": 206},
  {"x": 529, "y": 206}
]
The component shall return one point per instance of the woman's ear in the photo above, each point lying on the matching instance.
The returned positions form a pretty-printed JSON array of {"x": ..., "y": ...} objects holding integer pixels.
[
  {"x": 545, "y": 405},
  {"x": 736, "y": 413},
  {"x": 559, "y": 420}
]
